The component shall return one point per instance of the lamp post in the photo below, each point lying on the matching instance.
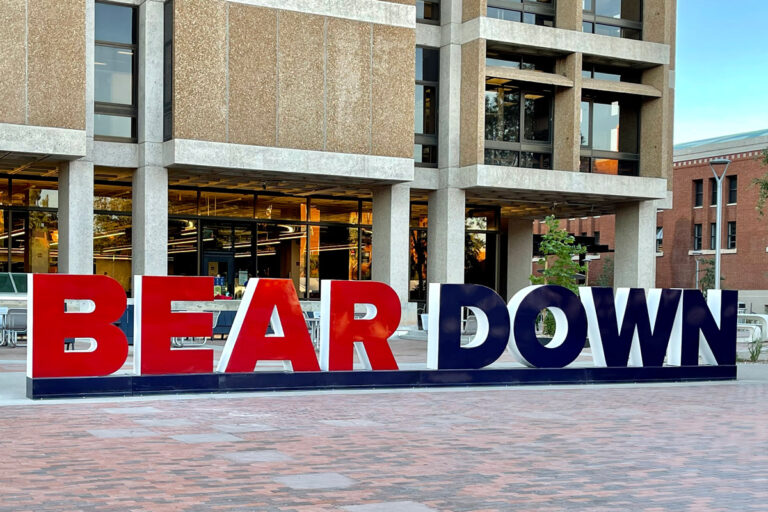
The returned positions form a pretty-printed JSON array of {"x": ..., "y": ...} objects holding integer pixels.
[{"x": 718, "y": 231}]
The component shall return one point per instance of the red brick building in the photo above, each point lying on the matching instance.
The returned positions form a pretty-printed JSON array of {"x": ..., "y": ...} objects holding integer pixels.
[{"x": 687, "y": 231}]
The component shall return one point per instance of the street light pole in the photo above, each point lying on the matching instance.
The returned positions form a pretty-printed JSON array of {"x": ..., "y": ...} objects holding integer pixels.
[{"x": 718, "y": 229}]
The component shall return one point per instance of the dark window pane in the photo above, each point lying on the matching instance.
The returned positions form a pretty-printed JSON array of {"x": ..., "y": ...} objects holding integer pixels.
[
  {"x": 697, "y": 237},
  {"x": 44, "y": 194},
  {"x": 182, "y": 247},
  {"x": 535, "y": 160},
  {"x": 113, "y": 126},
  {"x": 217, "y": 237},
  {"x": 282, "y": 254},
  {"x": 501, "y": 157},
  {"x": 480, "y": 259},
  {"x": 502, "y": 113},
  {"x": 366, "y": 246},
  {"x": 537, "y": 117},
  {"x": 587, "y": 27},
  {"x": 698, "y": 192},
  {"x": 113, "y": 69},
  {"x": 585, "y": 164},
  {"x": 631, "y": 33},
  {"x": 539, "y": 19},
  {"x": 424, "y": 154},
  {"x": 712, "y": 235},
  {"x": 112, "y": 247},
  {"x": 628, "y": 168},
  {"x": 731, "y": 235},
  {"x": 481, "y": 218},
  {"x": 425, "y": 118},
  {"x": 713, "y": 191},
  {"x": 732, "y": 189},
  {"x": 114, "y": 23},
  {"x": 417, "y": 286},
  {"x": 426, "y": 10},
  {"x": 427, "y": 64},
  {"x": 332, "y": 255}
]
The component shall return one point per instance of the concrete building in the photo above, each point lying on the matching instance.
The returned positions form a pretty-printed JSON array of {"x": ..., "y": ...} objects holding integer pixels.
[
  {"x": 408, "y": 142},
  {"x": 686, "y": 233}
]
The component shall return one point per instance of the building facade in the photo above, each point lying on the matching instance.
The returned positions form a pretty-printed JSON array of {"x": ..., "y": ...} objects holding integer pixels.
[
  {"x": 686, "y": 233},
  {"x": 401, "y": 141}
]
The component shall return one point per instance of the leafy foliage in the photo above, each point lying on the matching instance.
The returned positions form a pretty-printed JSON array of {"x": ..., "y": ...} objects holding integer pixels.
[
  {"x": 605, "y": 278},
  {"x": 762, "y": 185},
  {"x": 707, "y": 282},
  {"x": 755, "y": 349},
  {"x": 557, "y": 250}
]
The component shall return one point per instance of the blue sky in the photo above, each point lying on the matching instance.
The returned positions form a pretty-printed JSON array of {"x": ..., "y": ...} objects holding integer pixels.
[{"x": 722, "y": 68}]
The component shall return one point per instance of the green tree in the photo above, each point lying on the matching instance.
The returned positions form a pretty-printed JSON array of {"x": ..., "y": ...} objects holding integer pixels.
[
  {"x": 707, "y": 281},
  {"x": 605, "y": 277},
  {"x": 762, "y": 185},
  {"x": 557, "y": 249}
]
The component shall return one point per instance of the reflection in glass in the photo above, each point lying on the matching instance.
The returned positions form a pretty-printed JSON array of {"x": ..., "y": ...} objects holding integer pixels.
[
  {"x": 504, "y": 14},
  {"x": 281, "y": 208},
  {"x": 502, "y": 113},
  {"x": 584, "y": 124},
  {"x": 113, "y": 73},
  {"x": 537, "y": 115},
  {"x": 217, "y": 237},
  {"x": 281, "y": 253},
  {"x": 245, "y": 259},
  {"x": 116, "y": 198},
  {"x": 113, "y": 126},
  {"x": 502, "y": 157},
  {"x": 333, "y": 210},
  {"x": 419, "y": 215},
  {"x": 112, "y": 247},
  {"x": 425, "y": 118},
  {"x": 417, "y": 286},
  {"x": 332, "y": 255},
  {"x": 480, "y": 259},
  {"x": 427, "y": 64},
  {"x": 605, "y": 129},
  {"x": 225, "y": 204},
  {"x": 182, "y": 202},
  {"x": 427, "y": 10},
  {"x": 114, "y": 23},
  {"x": 535, "y": 160},
  {"x": 424, "y": 154},
  {"x": 44, "y": 194},
  {"x": 182, "y": 247},
  {"x": 366, "y": 246}
]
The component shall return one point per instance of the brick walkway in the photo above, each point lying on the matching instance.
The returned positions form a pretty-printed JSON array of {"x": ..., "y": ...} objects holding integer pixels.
[{"x": 673, "y": 447}]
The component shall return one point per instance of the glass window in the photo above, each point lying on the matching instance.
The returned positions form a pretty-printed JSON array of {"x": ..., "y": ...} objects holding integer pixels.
[
  {"x": 502, "y": 113},
  {"x": 112, "y": 247},
  {"x": 502, "y": 157},
  {"x": 168, "y": 70},
  {"x": 417, "y": 286},
  {"x": 333, "y": 254},
  {"x": 419, "y": 215},
  {"x": 333, "y": 210},
  {"x": 182, "y": 202},
  {"x": 697, "y": 237},
  {"x": 366, "y": 208},
  {"x": 481, "y": 219},
  {"x": 281, "y": 253},
  {"x": 217, "y": 237},
  {"x": 698, "y": 192},
  {"x": 732, "y": 235},
  {"x": 114, "y": 198},
  {"x": 225, "y": 204},
  {"x": 427, "y": 11},
  {"x": 584, "y": 123},
  {"x": 535, "y": 12},
  {"x": 480, "y": 258},
  {"x": 732, "y": 189},
  {"x": 425, "y": 106},
  {"x": 281, "y": 208},
  {"x": 713, "y": 191},
  {"x": 605, "y": 127},
  {"x": 615, "y": 18},
  {"x": 609, "y": 135},
  {"x": 537, "y": 117},
  {"x": 504, "y": 14},
  {"x": 659, "y": 238},
  {"x": 43, "y": 194},
  {"x": 712, "y": 235},
  {"x": 182, "y": 247},
  {"x": 114, "y": 72}
]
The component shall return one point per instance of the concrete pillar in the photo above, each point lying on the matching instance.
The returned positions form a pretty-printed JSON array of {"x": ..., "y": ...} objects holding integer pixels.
[
  {"x": 569, "y": 14},
  {"x": 150, "y": 92},
  {"x": 390, "y": 237},
  {"x": 519, "y": 254},
  {"x": 445, "y": 238},
  {"x": 76, "y": 217},
  {"x": 472, "y": 106},
  {"x": 567, "y": 122},
  {"x": 635, "y": 259},
  {"x": 150, "y": 221},
  {"x": 450, "y": 84}
]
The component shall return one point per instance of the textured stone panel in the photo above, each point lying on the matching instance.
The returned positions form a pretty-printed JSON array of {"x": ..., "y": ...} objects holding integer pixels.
[
  {"x": 406, "y": 2},
  {"x": 200, "y": 68},
  {"x": 393, "y": 85},
  {"x": 56, "y": 60},
  {"x": 300, "y": 80},
  {"x": 472, "y": 102},
  {"x": 348, "y": 79},
  {"x": 252, "y": 75},
  {"x": 471, "y": 9},
  {"x": 12, "y": 64}
]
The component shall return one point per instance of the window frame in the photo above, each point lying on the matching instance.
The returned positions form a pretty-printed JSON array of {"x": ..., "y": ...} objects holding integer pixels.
[
  {"x": 526, "y": 7},
  {"x": 524, "y": 145},
  {"x": 731, "y": 237},
  {"x": 423, "y": 138},
  {"x": 115, "y": 109},
  {"x": 733, "y": 189},
  {"x": 713, "y": 235},
  {"x": 590, "y": 16},
  {"x": 428, "y": 21},
  {"x": 587, "y": 152},
  {"x": 698, "y": 193},
  {"x": 697, "y": 234}
]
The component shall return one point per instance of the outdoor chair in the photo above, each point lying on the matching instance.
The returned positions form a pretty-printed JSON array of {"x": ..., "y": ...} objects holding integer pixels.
[
  {"x": 195, "y": 342},
  {"x": 15, "y": 324}
]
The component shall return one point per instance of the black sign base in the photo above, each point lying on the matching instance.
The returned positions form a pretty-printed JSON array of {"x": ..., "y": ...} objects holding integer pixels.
[{"x": 136, "y": 385}]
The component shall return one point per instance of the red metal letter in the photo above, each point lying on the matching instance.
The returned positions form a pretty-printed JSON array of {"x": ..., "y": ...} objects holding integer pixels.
[
  {"x": 248, "y": 343},
  {"x": 155, "y": 325},
  {"x": 49, "y": 324},
  {"x": 339, "y": 329}
]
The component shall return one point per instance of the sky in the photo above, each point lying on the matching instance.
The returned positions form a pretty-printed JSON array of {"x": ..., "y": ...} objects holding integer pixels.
[{"x": 722, "y": 68}]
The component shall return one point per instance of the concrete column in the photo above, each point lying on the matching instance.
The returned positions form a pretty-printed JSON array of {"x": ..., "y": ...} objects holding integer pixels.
[
  {"x": 635, "y": 260},
  {"x": 567, "y": 122},
  {"x": 519, "y": 255},
  {"x": 150, "y": 221},
  {"x": 445, "y": 238},
  {"x": 569, "y": 14},
  {"x": 76, "y": 217},
  {"x": 150, "y": 93},
  {"x": 390, "y": 237},
  {"x": 472, "y": 106},
  {"x": 450, "y": 84}
]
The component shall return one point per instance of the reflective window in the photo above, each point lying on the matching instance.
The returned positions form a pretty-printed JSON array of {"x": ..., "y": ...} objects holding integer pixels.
[
  {"x": 281, "y": 207},
  {"x": 112, "y": 197},
  {"x": 615, "y": 18},
  {"x": 182, "y": 202},
  {"x": 427, "y": 11},
  {"x": 610, "y": 73},
  {"x": 425, "y": 107},
  {"x": 698, "y": 192},
  {"x": 535, "y": 12},
  {"x": 182, "y": 247},
  {"x": 419, "y": 215},
  {"x": 112, "y": 247},
  {"x": 281, "y": 253},
  {"x": 732, "y": 189},
  {"x": 333, "y": 254},
  {"x": 501, "y": 56},
  {"x": 712, "y": 235},
  {"x": 417, "y": 284},
  {"x": 226, "y": 204},
  {"x": 731, "y": 235},
  {"x": 609, "y": 136},
  {"x": 697, "y": 237},
  {"x": 115, "y": 67},
  {"x": 27, "y": 192},
  {"x": 333, "y": 210},
  {"x": 481, "y": 246}
]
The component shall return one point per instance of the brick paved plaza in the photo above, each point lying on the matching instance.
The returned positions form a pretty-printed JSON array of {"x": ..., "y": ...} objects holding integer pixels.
[{"x": 653, "y": 447}]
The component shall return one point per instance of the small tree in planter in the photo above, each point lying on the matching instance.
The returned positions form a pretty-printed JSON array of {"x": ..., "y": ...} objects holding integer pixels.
[{"x": 557, "y": 249}]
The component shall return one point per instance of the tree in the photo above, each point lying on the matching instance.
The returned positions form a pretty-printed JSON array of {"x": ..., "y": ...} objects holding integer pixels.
[
  {"x": 762, "y": 184},
  {"x": 557, "y": 249},
  {"x": 707, "y": 282},
  {"x": 605, "y": 278}
]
